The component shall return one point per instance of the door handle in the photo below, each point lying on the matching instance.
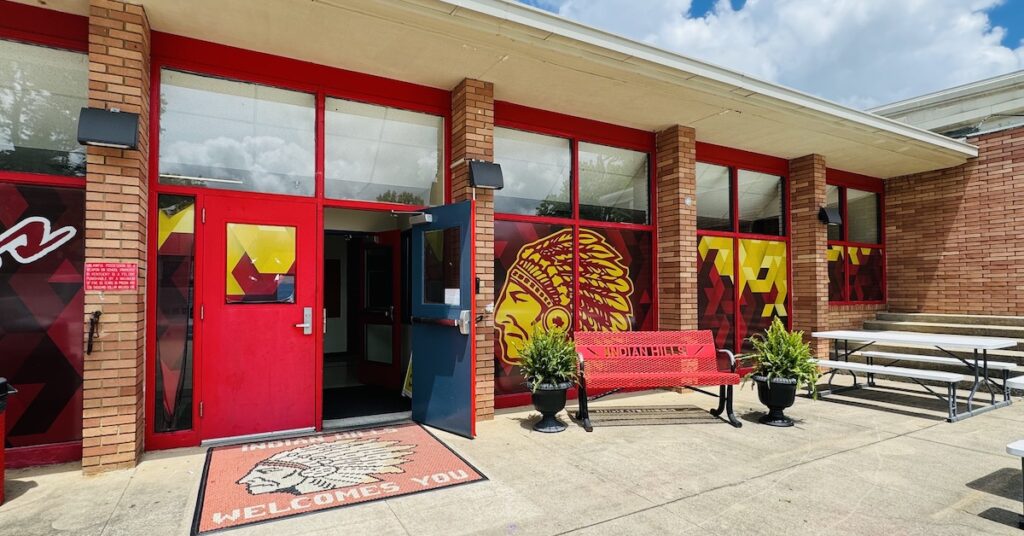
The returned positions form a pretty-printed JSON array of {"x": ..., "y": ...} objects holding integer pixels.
[{"x": 307, "y": 321}]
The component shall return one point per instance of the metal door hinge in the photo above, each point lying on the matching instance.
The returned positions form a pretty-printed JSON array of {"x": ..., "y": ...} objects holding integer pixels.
[{"x": 204, "y": 214}]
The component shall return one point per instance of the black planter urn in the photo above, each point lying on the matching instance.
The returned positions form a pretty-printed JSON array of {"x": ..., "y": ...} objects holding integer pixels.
[
  {"x": 549, "y": 399},
  {"x": 778, "y": 395}
]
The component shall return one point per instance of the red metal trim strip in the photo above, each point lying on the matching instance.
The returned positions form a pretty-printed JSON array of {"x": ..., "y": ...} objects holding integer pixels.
[
  {"x": 41, "y": 179},
  {"x": 507, "y": 114},
  {"x": 726, "y": 156},
  {"x": 43, "y": 26},
  {"x": 856, "y": 181},
  {"x": 18, "y": 457}
]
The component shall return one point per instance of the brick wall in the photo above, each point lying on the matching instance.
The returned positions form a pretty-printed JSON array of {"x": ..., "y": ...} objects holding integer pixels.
[
  {"x": 851, "y": 316},
  {"x": 473, "y": 139},
  {"x": 115, "y": 231},
  {"x": 677, "y": 228},
  {"x": 954, "y": 237},
  {"x": 808, "y": 242}
]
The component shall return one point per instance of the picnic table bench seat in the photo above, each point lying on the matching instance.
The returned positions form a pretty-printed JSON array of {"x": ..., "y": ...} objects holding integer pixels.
[{"x": 654, "y": 359}]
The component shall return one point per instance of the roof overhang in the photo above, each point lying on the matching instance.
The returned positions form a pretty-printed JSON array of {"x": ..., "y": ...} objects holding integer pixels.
[{"x": 541, "y": 60}]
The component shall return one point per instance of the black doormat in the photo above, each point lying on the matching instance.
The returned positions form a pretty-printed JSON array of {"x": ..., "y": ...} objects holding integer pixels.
[{"x": 648, "y": 415}]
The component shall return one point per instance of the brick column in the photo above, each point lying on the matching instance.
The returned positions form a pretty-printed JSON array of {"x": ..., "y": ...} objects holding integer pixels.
[
  {"x": 473, "y": 139},
  {"x": 115, "y": 231},
  {"x": 809, "y": 240},
  {"x": 677, "y": 228}
]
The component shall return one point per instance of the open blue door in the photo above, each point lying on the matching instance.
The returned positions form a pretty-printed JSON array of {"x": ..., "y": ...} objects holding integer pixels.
[{"x": 443, "y": 320}]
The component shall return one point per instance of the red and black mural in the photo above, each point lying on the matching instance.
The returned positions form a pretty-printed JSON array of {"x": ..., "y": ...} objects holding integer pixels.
[
  {"x": 865, "y": 274},
  {"x": 836, "y": 269},
  {"x": 535, "y": 278},
  {"x": 175, "y": 272},
  {"x": 42, "y": 251},
  {"x": 716, "y": 291}
]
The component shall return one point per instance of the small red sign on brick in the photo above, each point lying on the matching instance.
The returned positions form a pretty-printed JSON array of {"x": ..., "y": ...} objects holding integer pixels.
[{"x": 111, "y": 276}]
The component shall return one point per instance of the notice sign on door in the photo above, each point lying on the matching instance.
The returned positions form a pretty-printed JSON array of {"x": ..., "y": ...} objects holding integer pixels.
[{"x": 110, "y": 276}]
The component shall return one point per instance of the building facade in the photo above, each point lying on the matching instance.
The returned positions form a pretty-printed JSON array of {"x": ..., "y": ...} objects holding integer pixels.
[{"x": 296, "y": 241}]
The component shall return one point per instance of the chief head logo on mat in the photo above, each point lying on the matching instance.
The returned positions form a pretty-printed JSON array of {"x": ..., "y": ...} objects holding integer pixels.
[{"x": 327, "y": 466}]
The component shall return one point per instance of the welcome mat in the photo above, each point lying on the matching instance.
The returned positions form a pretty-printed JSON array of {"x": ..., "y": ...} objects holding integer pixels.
[
  {"x": 263, "y": 481},
  {"x": 648, "y": 415}
]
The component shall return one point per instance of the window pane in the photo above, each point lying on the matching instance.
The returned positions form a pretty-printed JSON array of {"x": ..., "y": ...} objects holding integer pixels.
[
  {"x": 175, "y": 283},
  {"x": 613, "y": 184},
  {"x": 536, "y": 170},
  {"x": 862, "y": 213},
  {"x": 760, "y": 203},
  {"x": 42, "y": 91},
  {"x": 235, "y": 135},
  {"x": 375, "y": 153},
  {"x": 714, "y": 211},
  {"x": 865, "y": 274},
  {"x": 835, "y": 232},
  {"x": 441, "y": 256},
  {"x": 836, "y": 273},
  {"x": 260, "y": 264}
]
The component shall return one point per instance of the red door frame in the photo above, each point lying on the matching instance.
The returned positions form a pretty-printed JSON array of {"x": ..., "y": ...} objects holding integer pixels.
[
  {"x": 845, "y": 180},
  {"x": 211, "y": 59}
]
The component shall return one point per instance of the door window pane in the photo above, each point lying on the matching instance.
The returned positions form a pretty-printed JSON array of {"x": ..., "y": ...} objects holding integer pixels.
[
  {"x": 235, "y": 135},
  {"x": 714, "y": 209},
  {"x": 613, "y": 184},
  {"x": 835, "y": 231},
  {"x": 863, "y": 215},
  {"x": 441, "y": 256},
  {"x": 42, "y": 91},
  {"x": 175, "y": 283},
  {"x": 379, "y": 278},
  {"x": 536, "y": 171},
  {"x": 375, "y": 153},
  {"x": 760, "y": 203},
  {"x": 260, "y": 263}
]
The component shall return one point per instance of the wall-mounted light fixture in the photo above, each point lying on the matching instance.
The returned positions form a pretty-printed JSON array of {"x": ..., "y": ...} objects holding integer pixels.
[
  {"x": 485, "y": 175},
  {"x": 830, "y": 216},
  {"x": 108, "y": 128}
]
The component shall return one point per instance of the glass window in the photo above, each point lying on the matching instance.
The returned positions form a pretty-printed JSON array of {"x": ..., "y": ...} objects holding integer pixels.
[
  {"x": 613, "y": 184},
  {"x": 260, "y": 264},
  {"x": 760, "y": 203},
  {"x": 375, "y": 153},
  {"x": 714, "y": 210},
  {"x": 175, "y": 284},
  {"x": 863, "y": 215},
  {"x": 42, "y": 91},
  {"x": 536, "y": 171},
  {"x": 835, "y": 231},
  {"x": 236, "y": 135},
  {"x": 441, "y": 266}
]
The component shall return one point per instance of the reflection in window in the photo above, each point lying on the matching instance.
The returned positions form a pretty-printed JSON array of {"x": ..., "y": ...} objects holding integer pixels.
[
  {"x": 760, "y": 203},
  {"x": 613, "y": 184},
  {"x": 536, "y": 171},
  {"x": 42, "y": 91},
  {"x": 441, "y": 256},
  {"x": 175, "y": 283},
  {"x": 260, "y": 264},
  {"x": 375, "y": 153},
  {"x": 835, "y": 231},
  {"x": 714, "y": 211},
  {"x": 863, "y": 215},
  {"x": 235, "y": 135}
]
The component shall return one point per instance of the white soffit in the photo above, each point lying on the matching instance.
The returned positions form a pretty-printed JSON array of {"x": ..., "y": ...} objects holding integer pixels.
[{"x": 545, "y": 61}]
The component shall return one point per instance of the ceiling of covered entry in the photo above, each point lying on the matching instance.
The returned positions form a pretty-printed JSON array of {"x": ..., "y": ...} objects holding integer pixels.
[{"x": 528, "y": 56}]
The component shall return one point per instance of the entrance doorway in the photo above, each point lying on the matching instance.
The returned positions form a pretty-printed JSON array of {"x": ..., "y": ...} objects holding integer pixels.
[{"x": 366, "y": 329}]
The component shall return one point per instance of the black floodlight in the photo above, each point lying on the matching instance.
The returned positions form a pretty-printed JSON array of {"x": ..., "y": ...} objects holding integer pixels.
[
  {"x": 485, "y": 175},
  {"x": 108, "y": 128},
  {"x": 830, "y": 216}
]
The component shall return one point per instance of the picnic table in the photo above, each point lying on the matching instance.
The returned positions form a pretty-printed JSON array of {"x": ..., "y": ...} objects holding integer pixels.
[{"x": 979, "y": 364}]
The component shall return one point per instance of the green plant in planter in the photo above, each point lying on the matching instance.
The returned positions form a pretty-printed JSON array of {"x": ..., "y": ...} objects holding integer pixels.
[
  {"x": 780, "y": 353},
  {"x": 548, "y": 357}
]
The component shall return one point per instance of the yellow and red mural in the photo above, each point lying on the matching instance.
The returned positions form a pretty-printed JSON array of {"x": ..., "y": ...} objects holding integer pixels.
[
  {"x": 855, "y": 273},
  {"x": 260, "y": 264},
  {"x": 175, "y": 276},
  {"x": 534, "y": 268},
  {"x": 762, "y": 293}
]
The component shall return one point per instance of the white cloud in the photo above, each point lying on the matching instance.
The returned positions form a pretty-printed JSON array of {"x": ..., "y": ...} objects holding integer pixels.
[{"x": 859, "y": 52}]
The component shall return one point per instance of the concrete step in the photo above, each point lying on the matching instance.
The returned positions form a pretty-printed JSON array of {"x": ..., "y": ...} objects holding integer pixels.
[
  {"x": 981, "y": 330},
  {"x": 938, "y": 318}
]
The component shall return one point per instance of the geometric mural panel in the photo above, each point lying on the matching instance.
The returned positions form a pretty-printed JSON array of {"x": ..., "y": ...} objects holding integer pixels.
[
  {"x": 764, "y": 283},
  {"x": 260, "y": 264},
  {"x": 716, "y": 289},
  {"x": 836, "y": 278},
  {"x": 865, "y": 273}
]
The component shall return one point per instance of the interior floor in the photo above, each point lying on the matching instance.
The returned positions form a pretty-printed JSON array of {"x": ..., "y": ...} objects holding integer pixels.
[{"x": 363, "y": 400}]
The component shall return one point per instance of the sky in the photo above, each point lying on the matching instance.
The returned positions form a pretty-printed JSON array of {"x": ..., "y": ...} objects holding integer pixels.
[{"x": 861, "y": 53}]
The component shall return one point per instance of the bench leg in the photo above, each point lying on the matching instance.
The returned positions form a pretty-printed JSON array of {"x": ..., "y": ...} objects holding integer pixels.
[
  {"x": 721, "y": 401},
  {"x": 728, "y": 408},
  {"x": 583, "y": 414}
]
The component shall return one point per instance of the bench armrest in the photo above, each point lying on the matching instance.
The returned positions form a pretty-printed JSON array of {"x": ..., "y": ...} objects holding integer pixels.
[{"x": 732, "y": 359}]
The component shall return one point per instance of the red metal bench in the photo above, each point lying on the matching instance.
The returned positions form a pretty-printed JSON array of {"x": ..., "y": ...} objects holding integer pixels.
[{"x": 652, "y": 359}]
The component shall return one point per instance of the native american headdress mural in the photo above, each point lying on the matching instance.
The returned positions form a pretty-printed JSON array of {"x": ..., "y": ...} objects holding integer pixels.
[{"x": 327, "y": 466}]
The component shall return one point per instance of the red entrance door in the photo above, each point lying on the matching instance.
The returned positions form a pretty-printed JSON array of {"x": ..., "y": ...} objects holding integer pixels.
[{"x": 258, "y": 297}]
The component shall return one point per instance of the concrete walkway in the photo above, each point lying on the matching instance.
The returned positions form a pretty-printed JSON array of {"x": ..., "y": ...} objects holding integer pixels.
[{"x": 869, "y": 462}]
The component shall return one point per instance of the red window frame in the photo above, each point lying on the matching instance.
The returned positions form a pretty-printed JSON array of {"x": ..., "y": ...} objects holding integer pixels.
[
  {"x": 216, "y": 60},
  {"x": 577, "y": 130},
  {"x": 846, "y": 180},
  {"x": 22, "y": 23},
  {"x": 736, "y": 160}
]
